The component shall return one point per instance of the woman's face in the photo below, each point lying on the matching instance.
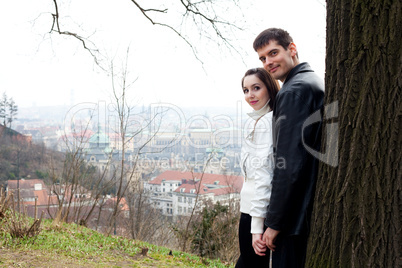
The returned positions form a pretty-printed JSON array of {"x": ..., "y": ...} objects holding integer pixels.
[{"x": 255, "y": 92}]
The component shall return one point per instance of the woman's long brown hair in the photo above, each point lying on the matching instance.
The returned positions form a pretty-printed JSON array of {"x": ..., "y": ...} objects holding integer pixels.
[{"x": 270, "y": 83}]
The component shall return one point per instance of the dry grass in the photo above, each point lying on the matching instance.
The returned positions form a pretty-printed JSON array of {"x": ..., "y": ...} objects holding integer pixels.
[
  {"x": 5, "y": 204},
  {"x": 18, "y": 225}
]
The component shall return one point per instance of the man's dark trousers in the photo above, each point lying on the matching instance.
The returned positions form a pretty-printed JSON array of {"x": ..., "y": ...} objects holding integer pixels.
[{"x": 290, "y": 251}]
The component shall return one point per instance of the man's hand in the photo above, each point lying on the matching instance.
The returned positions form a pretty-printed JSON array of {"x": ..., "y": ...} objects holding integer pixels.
[
  {"x": 269, "y": 238},
  {"x": 259, "y": 245}
]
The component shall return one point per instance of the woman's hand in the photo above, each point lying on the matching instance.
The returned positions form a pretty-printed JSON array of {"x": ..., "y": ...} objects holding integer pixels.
[{"x": 259, "y": 245}]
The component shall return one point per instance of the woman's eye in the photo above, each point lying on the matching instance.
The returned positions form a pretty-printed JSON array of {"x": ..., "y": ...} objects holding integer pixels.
[
  {"x": 256, "y": 88},
  {"x": 245, "y": 91}
]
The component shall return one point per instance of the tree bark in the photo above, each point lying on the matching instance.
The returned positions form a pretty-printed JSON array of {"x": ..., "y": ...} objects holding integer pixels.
[{"x": 357, "y": 212}]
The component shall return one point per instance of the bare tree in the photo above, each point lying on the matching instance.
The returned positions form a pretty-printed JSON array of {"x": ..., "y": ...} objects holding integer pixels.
[
  {"x": 146, "y": 221},
  {"x": 184, "y": 234},
  {"x": 124, "y": 172},
  {"x": 77, "y": 185}
]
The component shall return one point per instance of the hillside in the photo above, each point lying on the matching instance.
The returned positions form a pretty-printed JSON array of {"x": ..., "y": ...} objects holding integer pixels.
[
  {"x": 71, "y": 245},
  {"x": 20, "y": 158}
]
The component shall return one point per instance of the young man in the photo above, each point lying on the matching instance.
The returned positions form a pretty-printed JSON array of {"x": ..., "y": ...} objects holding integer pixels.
[{"x": 295, "y": 173}]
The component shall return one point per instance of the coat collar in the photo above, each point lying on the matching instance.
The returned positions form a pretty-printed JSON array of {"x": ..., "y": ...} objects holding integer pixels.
[
  {"x": 300, "y": 68},
  {"x": 261, "y": 112}
]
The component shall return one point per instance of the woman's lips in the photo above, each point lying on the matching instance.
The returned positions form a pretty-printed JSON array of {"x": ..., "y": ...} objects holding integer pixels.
[{"x": 253, "y": 102}]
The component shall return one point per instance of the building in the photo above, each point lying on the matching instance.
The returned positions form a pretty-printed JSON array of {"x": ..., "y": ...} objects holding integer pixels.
[
  {"x": 38, "y": 199},
  {"x": 99, "y": 153},
  {"x": 177, "y": 193},
  {"x": 30, "y": 192}
]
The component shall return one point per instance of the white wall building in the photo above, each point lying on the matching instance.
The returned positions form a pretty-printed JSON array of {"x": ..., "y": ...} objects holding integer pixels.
[{"x": 177, "y": 193}]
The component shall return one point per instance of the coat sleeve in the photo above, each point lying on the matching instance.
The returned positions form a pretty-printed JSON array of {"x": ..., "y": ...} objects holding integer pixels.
[
  {"x": 263, "y": 163},
  {"x": 288, "y": 191}
]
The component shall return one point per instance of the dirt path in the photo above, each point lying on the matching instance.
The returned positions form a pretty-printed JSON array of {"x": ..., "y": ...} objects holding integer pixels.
[{"x": 36, "y": 258}]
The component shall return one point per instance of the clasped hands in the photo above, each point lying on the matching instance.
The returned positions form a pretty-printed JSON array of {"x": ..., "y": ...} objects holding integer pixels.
[{"x": 261, "y": 242}]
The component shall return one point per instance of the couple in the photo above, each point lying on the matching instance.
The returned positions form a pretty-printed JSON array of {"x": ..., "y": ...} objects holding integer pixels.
[{"x": 280, "y": 175}]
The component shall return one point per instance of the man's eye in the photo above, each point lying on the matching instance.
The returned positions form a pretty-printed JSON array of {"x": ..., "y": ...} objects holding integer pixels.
[{"x": 262, "y": 59}]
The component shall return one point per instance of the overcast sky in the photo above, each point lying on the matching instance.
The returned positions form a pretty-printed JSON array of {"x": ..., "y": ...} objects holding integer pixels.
[{"x": 41, "y": 70}]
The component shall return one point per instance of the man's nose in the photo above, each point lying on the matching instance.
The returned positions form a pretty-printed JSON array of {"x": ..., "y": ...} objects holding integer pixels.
[{"x": 267, "y": 63}]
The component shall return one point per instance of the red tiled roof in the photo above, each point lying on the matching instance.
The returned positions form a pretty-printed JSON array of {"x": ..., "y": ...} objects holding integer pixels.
[
  {"x": 27, "y": 190},
  {"x": 82, "y": 136},
  {"x": 123, "y": 203},
  {"x": 186, "y": 188},
  {"x": 171, "y": 176},
  {"x": 207, "y": 178},
  {"x": 226, "y": 190},
  {"x": 230, "y": 183},
  {"x": 233, "y": 185},
  {"x": 25, "y": 184},
  {"x": 43, "y": 197}
]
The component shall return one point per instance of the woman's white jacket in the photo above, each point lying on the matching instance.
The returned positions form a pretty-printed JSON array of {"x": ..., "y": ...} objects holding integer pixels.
[{"x": 257, "y": 167}]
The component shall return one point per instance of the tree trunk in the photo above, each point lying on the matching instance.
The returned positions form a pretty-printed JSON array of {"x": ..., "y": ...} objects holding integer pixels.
[{"x": 357, "y": 211}]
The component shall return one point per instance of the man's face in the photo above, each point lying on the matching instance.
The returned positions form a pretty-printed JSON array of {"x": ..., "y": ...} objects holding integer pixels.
[{"x": 278, "y": 61}]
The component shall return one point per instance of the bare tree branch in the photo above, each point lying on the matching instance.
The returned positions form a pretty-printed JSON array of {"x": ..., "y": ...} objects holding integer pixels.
[
  {"x": 144, "y": 12},
  {"x": 56, "y": 28},
  {"x": 201, "y": 13}
]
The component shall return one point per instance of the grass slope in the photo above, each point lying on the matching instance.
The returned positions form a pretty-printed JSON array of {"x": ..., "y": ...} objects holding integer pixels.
[{"x": 70, "y": 245}]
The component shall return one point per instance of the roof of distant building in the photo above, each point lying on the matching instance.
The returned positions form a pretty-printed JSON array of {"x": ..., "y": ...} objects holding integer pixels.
[
  {"x": 216, "y": 183},
  {"x": 32, "y": 189},
  {"x": 24, "y": 184},
  {"x": 110, "y": 202},
  {"x": 99, "y": 137},
  {"x": 33, "y": 132},
  {"x": 214, "y": 150},
  {"x": 200, "y": 130},
  {"x": 205, "y": 189}
]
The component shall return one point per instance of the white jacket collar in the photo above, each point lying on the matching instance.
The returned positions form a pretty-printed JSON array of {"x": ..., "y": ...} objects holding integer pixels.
[{"x": 261, "y": 112}]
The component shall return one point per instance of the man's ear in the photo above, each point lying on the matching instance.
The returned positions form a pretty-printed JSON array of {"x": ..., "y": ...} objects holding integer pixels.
[{"x": 293, "y": 49}]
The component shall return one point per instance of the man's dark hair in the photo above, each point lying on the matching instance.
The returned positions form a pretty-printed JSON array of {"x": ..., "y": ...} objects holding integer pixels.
[{"x": 279, "y": 35}]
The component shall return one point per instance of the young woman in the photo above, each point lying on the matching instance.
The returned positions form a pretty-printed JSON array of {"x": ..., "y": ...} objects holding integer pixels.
[{"x": 259, "y": 90}]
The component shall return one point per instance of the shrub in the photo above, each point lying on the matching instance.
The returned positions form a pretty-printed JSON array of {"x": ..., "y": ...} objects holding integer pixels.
[
  {"x": 16, "y": 224},
  {"x": 5, "y": 204}
]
